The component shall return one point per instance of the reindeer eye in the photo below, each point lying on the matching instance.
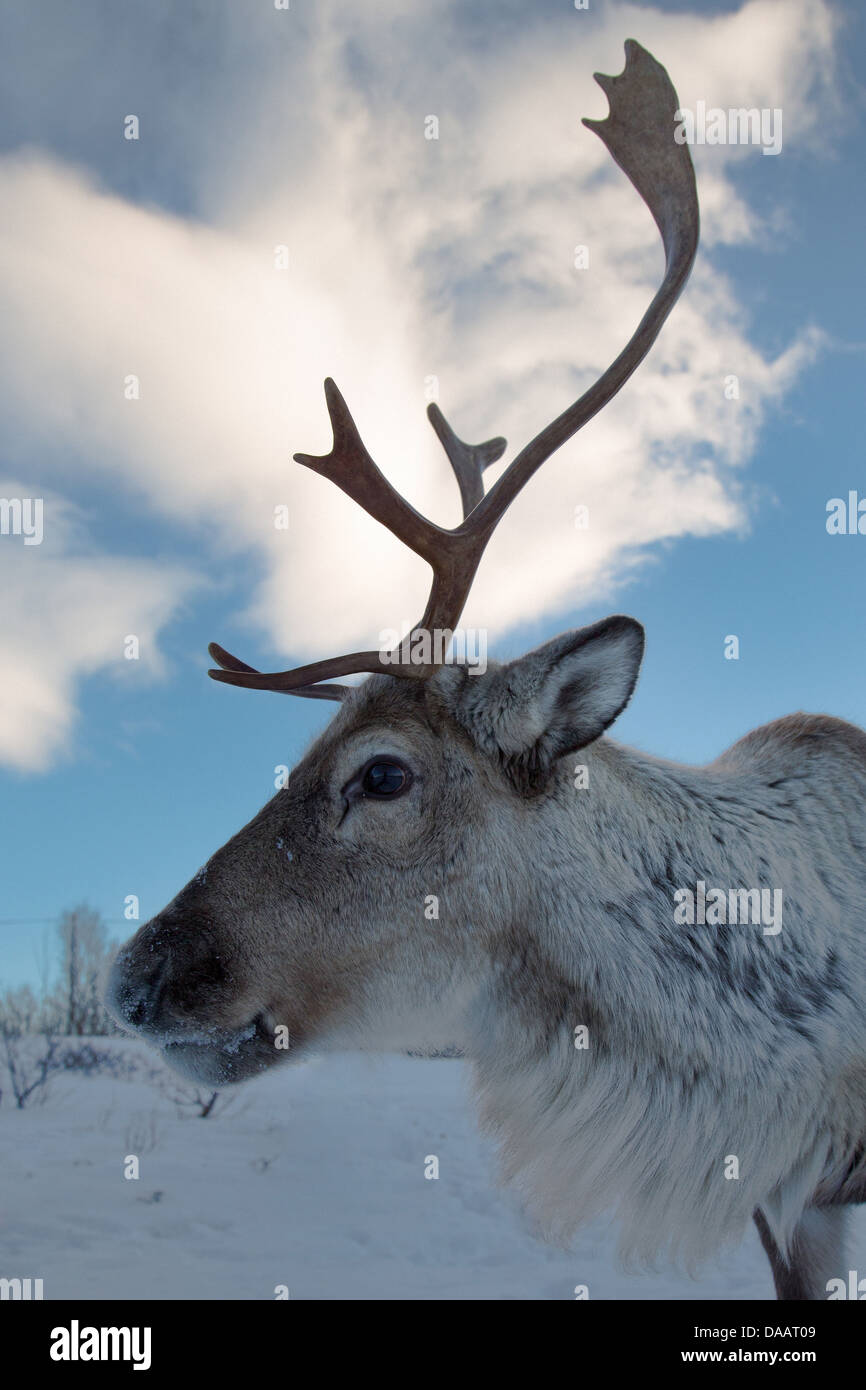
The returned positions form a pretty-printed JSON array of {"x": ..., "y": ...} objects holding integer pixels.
[
  {"x": 380, "y": 779},
  {"x": 383, "y": 779}
]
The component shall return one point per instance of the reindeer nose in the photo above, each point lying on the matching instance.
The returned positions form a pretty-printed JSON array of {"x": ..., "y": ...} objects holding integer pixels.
[
  {"x": 135, "y": 998},
  {"x": 169, "y": 970}
]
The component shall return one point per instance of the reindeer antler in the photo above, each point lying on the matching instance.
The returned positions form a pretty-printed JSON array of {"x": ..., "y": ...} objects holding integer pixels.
[{"x": 639, "y": 133}]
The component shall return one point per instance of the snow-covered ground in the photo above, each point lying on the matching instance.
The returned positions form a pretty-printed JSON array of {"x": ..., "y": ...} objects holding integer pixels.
[{"x": 311, "y": 1177}]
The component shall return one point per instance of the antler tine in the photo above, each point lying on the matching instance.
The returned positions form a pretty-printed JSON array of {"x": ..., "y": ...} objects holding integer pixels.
[
  {"x": 231, "y": 664},
  {"x": 352, "y": 469},
  {"x": 467, "y": 460},
  {"x": 639, "y": 133}
]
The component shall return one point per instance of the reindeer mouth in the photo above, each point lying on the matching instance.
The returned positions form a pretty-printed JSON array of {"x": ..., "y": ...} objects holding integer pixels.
[{"x": 218, "y": 1056}]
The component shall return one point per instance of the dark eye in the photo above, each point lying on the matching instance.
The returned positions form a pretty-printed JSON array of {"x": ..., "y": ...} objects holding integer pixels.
[{"x": 385, "y": 778}]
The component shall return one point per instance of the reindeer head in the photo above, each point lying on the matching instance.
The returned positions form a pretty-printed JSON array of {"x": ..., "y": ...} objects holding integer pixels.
[{"x": 367, "y": 903}]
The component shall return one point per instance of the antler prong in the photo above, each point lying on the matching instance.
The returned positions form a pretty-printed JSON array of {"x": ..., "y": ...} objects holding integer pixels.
[
  {"x": 234, "y": 670},
  {"x": 352, "y": 469},
  {"x": 467, "y": 460}
]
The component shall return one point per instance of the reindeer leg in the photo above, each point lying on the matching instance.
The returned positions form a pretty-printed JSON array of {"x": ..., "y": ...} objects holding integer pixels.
[{"x": 817, "y": 1253}]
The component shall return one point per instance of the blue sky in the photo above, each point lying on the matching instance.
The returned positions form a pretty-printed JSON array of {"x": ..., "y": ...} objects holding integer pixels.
[{"x": 122, "y": 777}]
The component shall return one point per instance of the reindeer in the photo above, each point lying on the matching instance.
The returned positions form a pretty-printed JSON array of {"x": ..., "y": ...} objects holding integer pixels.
[{"x": 706, "y": 1046}]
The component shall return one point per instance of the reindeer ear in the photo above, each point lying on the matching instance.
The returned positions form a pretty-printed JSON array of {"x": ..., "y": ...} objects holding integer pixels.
[{"x": 556, "y": 699}]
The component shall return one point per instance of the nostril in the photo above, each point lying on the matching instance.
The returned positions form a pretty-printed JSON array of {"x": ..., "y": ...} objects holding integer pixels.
[
  {"x": 136, "y": 1000},
  {"x": 136, "y": 1012}
]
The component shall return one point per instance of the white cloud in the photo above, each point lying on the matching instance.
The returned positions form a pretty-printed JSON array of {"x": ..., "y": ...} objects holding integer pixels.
[
  {"x": 407, "y": 258},
  {"x": 66, "y": 615}
]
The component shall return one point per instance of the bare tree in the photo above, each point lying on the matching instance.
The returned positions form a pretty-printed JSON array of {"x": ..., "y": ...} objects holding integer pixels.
[
  {"x": 85, "y": 956},
  {"x": 21, "y": 1010}
]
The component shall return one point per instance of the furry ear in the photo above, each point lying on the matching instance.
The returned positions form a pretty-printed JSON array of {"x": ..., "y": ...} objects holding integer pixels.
[{"x": 555, "y": 700}]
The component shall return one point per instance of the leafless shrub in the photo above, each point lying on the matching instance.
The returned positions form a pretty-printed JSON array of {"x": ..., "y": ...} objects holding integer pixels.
[
  {"x": 102, "y": 1061},
  {"x": 193, "y": 1100},
  {"x": 28, "y": 1065}
]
